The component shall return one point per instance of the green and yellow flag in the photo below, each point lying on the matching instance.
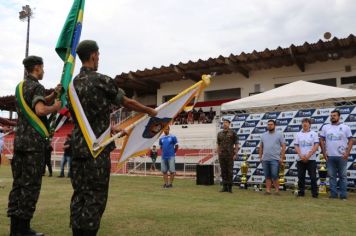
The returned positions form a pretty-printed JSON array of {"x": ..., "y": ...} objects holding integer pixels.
[{"x": 67, "y": 43}]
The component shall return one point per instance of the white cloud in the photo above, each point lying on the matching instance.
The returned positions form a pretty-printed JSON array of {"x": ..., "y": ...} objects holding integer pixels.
[{"x": 139, "y": 34}]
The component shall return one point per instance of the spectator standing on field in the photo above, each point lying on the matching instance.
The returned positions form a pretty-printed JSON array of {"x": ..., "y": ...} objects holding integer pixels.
[
  {"x": 169, "y": 147},
  {"x": 272, "y": 154},
  {"x": 336, "y": 144},
  {"x": 306, "y": 143},
  {"x": 67, "y": 157},
  {"x": 153, "y": 155}
]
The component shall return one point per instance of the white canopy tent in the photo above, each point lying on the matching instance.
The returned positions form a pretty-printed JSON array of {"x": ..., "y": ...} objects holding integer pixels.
[{"x": 296, "y": 95}]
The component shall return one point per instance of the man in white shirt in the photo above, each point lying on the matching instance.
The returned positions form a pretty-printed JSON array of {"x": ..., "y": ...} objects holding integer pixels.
[
  {"x": 306, "y": 143},
  {"x": 336, "y": 143}
]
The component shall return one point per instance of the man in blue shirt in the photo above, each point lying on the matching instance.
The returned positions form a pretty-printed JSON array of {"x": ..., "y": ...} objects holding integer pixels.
[{"x": 169, "y": 147}]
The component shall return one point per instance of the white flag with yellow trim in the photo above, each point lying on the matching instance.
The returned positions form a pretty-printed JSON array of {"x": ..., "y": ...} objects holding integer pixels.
[{"x": 143, "y": 131}]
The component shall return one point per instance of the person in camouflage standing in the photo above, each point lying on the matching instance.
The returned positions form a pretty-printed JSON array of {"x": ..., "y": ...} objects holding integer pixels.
[
  {"x": 228, "y": 146},
  {"x": 48, "y": 156},
  {"x": 90, "y": 176},
  {"x": 29, "y": 147}
]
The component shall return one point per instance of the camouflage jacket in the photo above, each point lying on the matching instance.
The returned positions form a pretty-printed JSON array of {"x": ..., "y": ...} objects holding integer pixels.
[
  {"x": 26, "y": 137},
  {"x": 97, "y": 93},
  {"x": 226, "y": 141}
]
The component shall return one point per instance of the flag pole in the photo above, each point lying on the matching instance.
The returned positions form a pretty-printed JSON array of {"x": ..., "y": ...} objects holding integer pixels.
[{"x": 65, "y": 48}]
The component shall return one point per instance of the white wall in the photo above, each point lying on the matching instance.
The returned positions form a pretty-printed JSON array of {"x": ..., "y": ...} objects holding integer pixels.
[
  {"x": 170, "y": 88},
  {"x": 267, "y": 78}
]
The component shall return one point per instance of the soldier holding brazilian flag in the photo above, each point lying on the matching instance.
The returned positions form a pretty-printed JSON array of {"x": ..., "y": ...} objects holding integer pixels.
[
  {"x": 32, "y": 133},
  {"x": 29, "y": 145},
  {"x": 90, "y": 95}
]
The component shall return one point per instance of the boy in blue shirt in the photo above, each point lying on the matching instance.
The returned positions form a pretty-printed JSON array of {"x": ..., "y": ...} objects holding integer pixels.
[{"x": 169, "y": 147}]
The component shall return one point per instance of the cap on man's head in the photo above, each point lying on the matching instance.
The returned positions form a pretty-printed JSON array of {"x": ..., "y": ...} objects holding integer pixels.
[
  {"x": 87, "y": 46},
  {"x": 32, "y": 61}
]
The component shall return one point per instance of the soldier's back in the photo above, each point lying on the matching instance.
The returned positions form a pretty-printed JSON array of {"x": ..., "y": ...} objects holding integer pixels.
[{"x": 96, "y": 93}]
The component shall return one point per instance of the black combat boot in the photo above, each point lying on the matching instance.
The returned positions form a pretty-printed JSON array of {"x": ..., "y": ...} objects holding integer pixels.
[
  {"x": 13, "y": 226},
  {"x": 224, "y": 188},
  {"x": 77, "y": 232},
  {"x": 25, "y": 229},
  {"x": 229, "y": 188},
  {"x": 90, "y": 232}
]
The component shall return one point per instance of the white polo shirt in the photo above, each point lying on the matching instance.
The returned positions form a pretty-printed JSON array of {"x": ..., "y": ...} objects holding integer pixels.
[
  {"x": 336, "y": 138},
  {"x": 305, "y": 141}
]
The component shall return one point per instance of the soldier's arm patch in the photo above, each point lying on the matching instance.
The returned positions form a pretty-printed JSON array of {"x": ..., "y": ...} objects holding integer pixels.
[
  {"x": 119, "y": 96},
  {"x": 37, "y": 99},
  {"x": 38, "y": 95}
]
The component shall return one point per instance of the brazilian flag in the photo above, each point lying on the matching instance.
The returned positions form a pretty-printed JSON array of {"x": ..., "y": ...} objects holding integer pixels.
[{"x": 67, "y": 43}]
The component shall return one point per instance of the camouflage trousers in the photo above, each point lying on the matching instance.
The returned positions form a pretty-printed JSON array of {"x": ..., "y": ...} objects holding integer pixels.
[
  {"x": 90, "y": 181},
  {"x": 226, "y": 166},
  {"x": 27, "y": 174}
]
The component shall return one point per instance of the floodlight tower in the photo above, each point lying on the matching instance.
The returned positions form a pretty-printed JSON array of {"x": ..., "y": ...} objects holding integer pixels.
[{"x": 26, "y": 14}]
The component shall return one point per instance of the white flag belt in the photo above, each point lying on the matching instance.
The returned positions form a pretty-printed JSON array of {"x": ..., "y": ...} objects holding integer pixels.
[{"x": 88, "y": 133}]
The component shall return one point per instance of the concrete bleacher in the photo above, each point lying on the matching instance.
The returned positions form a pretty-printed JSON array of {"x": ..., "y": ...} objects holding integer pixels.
[
  {"x": 195, "y": 136},
  {"x": 197, "y": 144}
]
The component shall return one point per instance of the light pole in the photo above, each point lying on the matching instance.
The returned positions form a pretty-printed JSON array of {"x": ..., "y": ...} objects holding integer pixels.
[{"x": 26, "y": 14}]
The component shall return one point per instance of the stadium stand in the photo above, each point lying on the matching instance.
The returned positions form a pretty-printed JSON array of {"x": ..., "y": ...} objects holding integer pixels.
[{"x": 196, "y": 141}]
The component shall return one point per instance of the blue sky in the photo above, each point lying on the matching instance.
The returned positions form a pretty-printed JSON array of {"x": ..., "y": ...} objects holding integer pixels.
[{"x": 139, "y": 34}]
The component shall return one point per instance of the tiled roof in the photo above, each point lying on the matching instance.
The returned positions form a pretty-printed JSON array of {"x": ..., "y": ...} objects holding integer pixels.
[{"x": 148, "y": 80}]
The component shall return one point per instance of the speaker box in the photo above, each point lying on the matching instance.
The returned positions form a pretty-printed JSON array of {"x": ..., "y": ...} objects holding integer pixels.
[{"x": 205, "y": 174}]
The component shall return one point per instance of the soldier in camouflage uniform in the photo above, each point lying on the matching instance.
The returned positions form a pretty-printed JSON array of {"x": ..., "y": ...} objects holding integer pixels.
[
  {"x": 228, "y": 146},
  {"x": 90, "y": 176},
  {"x": 28, "y": 159}
]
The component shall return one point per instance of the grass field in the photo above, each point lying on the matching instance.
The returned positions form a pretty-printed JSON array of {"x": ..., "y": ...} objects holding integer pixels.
[{"x": 139, "y": 206}]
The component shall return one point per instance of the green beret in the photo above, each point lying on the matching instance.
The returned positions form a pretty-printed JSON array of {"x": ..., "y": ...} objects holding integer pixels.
[
  {"x": 87, "y": 46},
  {"x": 32, "y": 61}
]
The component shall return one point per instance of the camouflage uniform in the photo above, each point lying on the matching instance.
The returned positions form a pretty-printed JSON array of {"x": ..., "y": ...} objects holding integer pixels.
[
  {"x": 48, "y": 156},
  {"x": 28, "y": 159},
  {"x": 226, "y": 141},
  {"x": 90, "y": 177}
]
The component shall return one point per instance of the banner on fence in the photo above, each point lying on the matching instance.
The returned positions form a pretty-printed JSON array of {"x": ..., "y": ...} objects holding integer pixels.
[{"x": 250, "y": 127}]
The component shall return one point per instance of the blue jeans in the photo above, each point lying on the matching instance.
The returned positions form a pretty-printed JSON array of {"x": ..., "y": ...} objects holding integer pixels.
[
  {"x": 337, "y": 168},
  {"x": 65, "y": 159},
  {"x": 270, "y": 169}
]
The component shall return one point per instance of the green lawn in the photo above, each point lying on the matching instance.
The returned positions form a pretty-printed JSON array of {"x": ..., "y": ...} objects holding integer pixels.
[{"x": 139, "y": 206}]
